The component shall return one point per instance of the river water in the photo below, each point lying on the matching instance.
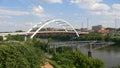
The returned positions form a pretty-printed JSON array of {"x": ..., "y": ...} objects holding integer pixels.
[{"x": 109, "y": 55}]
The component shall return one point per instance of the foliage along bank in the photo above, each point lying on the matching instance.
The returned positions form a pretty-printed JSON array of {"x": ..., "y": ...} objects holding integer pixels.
[
  {"x": 20, "y": 55},
  {"x": 70, "y": 59}
]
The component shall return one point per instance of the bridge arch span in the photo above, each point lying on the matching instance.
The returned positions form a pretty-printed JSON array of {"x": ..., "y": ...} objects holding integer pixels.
[{"x": 64, "y": 24}]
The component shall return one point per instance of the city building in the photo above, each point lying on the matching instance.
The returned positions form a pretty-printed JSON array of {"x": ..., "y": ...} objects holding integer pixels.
[
  {"x": 84, "y": 29},
  {"x": 97, "y": 28},
  {"x": 103, "y": 31}
]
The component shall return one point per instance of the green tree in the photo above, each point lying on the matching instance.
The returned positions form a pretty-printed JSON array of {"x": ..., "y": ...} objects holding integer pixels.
[
  {"x": 1, "y": 38},
  {"x": 15, "y": 37},
  {"x": 21, "y": 55},
  {"x": 19, "y": 31}
]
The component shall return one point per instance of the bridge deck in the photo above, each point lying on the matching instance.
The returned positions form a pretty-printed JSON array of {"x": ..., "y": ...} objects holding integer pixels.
[
  {"x": 42, "y": 32},
  {"x": 95, "y": 44}
]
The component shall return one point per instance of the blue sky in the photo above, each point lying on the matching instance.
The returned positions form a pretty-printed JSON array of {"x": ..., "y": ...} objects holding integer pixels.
[{"x": 23, "y": 14}]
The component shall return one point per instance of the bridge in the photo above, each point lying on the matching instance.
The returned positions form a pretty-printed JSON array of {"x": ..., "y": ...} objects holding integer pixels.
[
  {"x": 43, "y": 32},
  {"x": 36, "y": 29},
  {"x": 76, "y": 45},
  {"x": 62, "y": 23}
]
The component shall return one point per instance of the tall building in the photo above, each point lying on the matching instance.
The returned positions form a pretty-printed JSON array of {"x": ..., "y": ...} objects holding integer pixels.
[
  {"x": 84, "y": 29},
  {"x": 97, "y": 28}
]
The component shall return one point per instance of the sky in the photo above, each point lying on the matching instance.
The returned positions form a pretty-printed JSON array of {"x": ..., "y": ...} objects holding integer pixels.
[{"x": 23, "y": 14}]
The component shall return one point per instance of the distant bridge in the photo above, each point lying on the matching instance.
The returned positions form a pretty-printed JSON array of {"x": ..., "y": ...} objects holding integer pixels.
[
  {"x": 76, "y": 45},
  {"x": 80, "y": 43},
  {"x": 42, "y": 32},
  {"x": 36, "y": 29},
  {"x": 62, "y": 23}
]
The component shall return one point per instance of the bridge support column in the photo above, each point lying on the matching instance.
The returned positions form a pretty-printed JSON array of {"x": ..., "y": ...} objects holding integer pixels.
[
  {"x": 62, "y": 49},
  {"x": 55, "y": 49},
  {"x": 25, "y": 38},
  {"x": 73, "y": 48},
  {"x": 78, "y": 47},
  {"x": 90, "y": 51},
  {"x": 4, "y": 38},
  {"x": 47, "y": 49},
  {"x": 89, "y": 54}
]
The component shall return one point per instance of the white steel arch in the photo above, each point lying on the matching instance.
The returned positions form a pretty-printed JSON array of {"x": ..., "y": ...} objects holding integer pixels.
[{"x": 60, "y": 22}]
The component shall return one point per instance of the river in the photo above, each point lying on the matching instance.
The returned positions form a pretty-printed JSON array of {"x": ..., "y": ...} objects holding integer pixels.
[{"x": 109, "y": 55}]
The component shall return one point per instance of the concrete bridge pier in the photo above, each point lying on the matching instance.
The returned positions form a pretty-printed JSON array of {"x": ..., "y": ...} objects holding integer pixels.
[
  {"x": 47, "y": 49},
  {"x": 78, "y": 47},
  {"x": 73, "y": 48},
  {"x": 62, "y": 49},
  {"x": 4, "y": 38},
  {"x": 90, "y": 51},
  {"x": 25, "y": 38},
  {"x": 55, "y": 49}
]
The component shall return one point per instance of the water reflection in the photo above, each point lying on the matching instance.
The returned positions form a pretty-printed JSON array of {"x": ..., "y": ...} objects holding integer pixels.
[{"x": 109, "y": 55}]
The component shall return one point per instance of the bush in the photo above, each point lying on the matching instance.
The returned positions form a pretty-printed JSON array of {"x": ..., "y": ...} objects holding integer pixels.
[
  {"x": 16, "y": 55},
  {"x": 82, "y": 61},
  {"x": 76, "y": 60},
  {"x": 15, "y": 37},
  {"x": 116, "y": 67},
  {"x": 1, "y": 38}
]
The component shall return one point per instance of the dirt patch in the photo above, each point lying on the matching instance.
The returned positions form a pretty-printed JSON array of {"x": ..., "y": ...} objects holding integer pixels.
[{"x": 47, "y": 65}]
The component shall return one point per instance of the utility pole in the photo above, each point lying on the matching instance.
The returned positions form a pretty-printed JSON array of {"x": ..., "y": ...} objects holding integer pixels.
[
  {"x": 25, "y": 37},
  {"x": 115, "y": 28},
  {"x": 81, "y": 26},
  {"x": 115, "y": 23},
  {"x": 87, "y": 23}
]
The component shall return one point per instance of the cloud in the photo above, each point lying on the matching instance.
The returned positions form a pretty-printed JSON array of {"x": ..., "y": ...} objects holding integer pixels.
[
  {"x": 12, "y": 12},
  {"x": 39, "y": 11},
  {"x": 100, "y": 7},
  {"x": 5, "y": 16},
  {"x": 13, "y": 26},
  {"x": 97, "y": 7},
  {"x": 6, "y": 24},
  {"x": 51, "y": 1},
  {"x": 106, "y": 23},
  {"x": 85, "y": 1},
  {"x": 91, "y": 4},
  {"x": 116, "y": 6}
]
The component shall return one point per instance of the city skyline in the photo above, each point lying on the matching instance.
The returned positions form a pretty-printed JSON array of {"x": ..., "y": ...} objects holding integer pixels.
[{"x": 22, "y": 15}]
